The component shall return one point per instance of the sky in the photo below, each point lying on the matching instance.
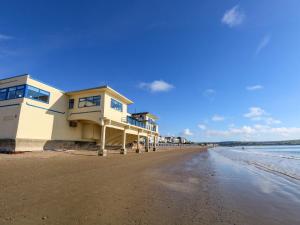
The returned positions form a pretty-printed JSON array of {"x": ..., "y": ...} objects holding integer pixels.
[{"x": 210, "y": 70}]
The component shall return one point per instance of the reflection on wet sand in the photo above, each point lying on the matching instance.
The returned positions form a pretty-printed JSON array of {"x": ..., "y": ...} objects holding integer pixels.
[{"x": 233, "y": 192}]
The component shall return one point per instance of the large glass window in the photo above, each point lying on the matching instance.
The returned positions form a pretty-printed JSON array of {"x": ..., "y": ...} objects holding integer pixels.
[
  {"x": 89, "y": 101},
  {"x": 116, "y": 105},
  {"x": 19, "y": 92},
  {"x": 3, "y": 93},
  {"x": 16, "y": 92},
  {"x": 38, "y": 94}
]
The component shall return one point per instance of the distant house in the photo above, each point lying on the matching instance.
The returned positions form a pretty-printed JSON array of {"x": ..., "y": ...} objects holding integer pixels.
[
  {"x": 35, "y": 116},
  {"x": 162, "y": 139},
  {"x": 182, "y": 140},
  {"x": 173, "y": 140}
]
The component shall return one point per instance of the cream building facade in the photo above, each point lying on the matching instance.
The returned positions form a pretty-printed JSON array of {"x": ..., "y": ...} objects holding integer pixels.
[{"x": 35, "y": 116}]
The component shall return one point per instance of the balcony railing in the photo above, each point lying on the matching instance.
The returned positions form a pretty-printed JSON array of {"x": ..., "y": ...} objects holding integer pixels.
[
  {"x": 135, "y": 122},
  {"x": 132, "y": 121}
]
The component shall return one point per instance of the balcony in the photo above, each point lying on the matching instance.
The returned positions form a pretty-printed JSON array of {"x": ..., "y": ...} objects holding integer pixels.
[{"x": 132, "y": 121}]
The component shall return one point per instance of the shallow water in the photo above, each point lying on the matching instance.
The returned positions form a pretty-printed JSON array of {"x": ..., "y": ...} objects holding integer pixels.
[
  {"x": 281, "y": 160},
  {"x": 261, "y": 183}
]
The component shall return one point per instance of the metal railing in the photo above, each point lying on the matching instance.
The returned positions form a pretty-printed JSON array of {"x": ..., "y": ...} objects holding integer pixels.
[
  {"x": 132, "y": 121},
  {"x": 135, "y": 122}
]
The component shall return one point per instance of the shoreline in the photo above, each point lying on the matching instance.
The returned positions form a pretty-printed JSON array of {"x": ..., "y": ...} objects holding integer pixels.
[{"x": 189, "y": 186}]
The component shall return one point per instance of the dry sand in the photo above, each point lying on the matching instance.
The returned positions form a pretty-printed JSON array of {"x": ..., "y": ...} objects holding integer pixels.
[{"x": 80, "y": 188}]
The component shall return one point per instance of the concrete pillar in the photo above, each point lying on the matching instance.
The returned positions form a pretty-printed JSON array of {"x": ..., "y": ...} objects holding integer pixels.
[
  {"x": 154, "y": 143},
  {"x": 123, "y": 149},
  {"x": 102, "y": 151},
  {"x": 147, "y": 144},
  {"x": 138, "y": 149}
]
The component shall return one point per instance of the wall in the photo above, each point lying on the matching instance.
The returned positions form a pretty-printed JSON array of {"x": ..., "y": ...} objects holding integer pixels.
[
  {"x": 42, "y": 121},
  {"x": 111, "y": 113},
  {"x": 93, "y": 113},
  {"x": 10, "y": 109}
]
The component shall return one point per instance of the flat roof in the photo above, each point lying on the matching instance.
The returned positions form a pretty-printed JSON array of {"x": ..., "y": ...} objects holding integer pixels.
[
  {"x": 102, "y": 88},
  {"x": 29, "y": 76},
  {"x": 21, "y": 75},
  {"x": 146, "y": 113}
]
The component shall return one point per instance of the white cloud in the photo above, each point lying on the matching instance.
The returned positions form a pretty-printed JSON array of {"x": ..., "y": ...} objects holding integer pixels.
[
  {"x": 255, "y": 113},
  {"x": 233, "y": 17},
  {"x": 217, "y": 118},
  {"x": 259, "y": 114},
  {"x": 202, "y": 126},
  {"x": 255, "y": 87},
  {"x": 5, "y": 37},
  {"x": 256, "y": 132},
  {"x": 270, "y": 121},
  {"x": 263, "y": 43},
  {"x": 187, "y": 132},
  {"x": 157, "y": 86}
]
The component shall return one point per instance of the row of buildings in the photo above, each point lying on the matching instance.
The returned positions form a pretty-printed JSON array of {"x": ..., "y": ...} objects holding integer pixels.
[
  {"x": 35, "y": 116},
  {"x": 173, "y": 140}
]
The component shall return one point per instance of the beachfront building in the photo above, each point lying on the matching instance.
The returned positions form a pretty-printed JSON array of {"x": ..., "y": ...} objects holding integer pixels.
[
  {"x": 35, "y": 116},
  {"x": 173, "y": 140}
]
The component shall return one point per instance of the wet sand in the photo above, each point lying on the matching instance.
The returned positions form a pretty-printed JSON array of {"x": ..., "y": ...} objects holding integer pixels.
[{"x": 167, "y": 187}]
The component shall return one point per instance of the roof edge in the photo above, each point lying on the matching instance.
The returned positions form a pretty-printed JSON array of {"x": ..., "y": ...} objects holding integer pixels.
[
  {"x": 104, "y": 87},
  {"x": 16, "y": 76}
]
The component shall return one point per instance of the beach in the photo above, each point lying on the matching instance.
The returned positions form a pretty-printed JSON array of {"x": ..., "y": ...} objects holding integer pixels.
[{"x": 175, "y": 186}]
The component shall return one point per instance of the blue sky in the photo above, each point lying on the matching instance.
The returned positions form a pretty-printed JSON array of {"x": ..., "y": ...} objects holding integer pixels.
[{"x": 211, "y": 70}]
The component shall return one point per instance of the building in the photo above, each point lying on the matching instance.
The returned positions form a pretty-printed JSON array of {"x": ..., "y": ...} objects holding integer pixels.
[
  {"x": 162, "y": 139},
  {"x": 173, "y": 140},
  {"x": 147, "y": 120},
  {"x": 35, "y": 116},
  {"x": 182, "y": 140}
]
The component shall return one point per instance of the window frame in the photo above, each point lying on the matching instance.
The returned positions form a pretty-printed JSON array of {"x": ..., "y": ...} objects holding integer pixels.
[
  {"x": 71, "y": 101},
  {"x": 39, "y": 91},
  {"x": 17, "y": 88},
  {"x": 24, "y": 88},
  {"x": 84, "y": 99},
  {"x": 118, "y": 102},
  {"x": 4, "y": 90}
]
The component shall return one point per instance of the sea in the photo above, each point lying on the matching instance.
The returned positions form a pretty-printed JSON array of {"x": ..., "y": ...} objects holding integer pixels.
[
  {"x": 262, "y": 183},
  {"x": 280, "y": 160}
]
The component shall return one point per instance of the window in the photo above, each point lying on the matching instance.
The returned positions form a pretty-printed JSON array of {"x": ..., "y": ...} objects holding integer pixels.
[
  {"x": 16, "y": 92},
  {"x": 3, "y": 94},
  {"x": 37, "y": 94},
  {"x": 19, "y": 92},
  {"x": 116, "y": 105},
  {"x": 89, "y": 101},
  {"x": 71, "y": 104}
]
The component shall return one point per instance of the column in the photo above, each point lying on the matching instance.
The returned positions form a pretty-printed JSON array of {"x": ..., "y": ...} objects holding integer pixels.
[
  {"x": 147, "y": 144},
  {"x": 102, "y": 151},
  {"x": 154, "y": 143},
  {"x": 138, "y": 149},
  {"x": 123, "y": 149}
]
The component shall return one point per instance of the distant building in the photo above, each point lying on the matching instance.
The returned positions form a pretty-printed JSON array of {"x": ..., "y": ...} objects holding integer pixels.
[
  {"x": 182, "y": 140},
  {"x": 162, "y": 139},
  {"x": 173, "y": 140}
]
